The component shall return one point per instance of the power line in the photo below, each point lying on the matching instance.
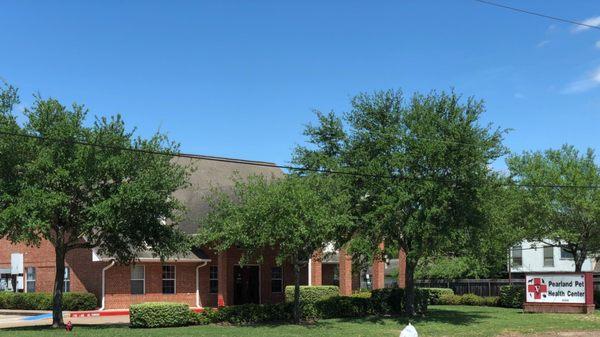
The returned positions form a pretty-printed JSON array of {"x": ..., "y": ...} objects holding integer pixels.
[
  {"x": 537, "y": 14},
  {"x": 262, "y": 164}
]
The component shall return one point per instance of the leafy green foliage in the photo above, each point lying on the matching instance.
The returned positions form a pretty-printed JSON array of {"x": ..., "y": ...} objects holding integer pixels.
[
  {"x": 159, "y": 315},
  {"x": 512, "y": 296},
  {"x": 79, "y": 196},
  {"x": 434, "y": 157},
  {"x": 311, "y": 294},
  {"x": 293, "y": 216},
  {"x": 468, "y": 299},
  {"x": 248, "y": 314},
  {"x": 392, "y": 300},
  {"x": 344, "y": 307},
  {"x": 43, "y": 301},
  {"x": 436, "y": 293},
  {"x": 566, "y": 216}
]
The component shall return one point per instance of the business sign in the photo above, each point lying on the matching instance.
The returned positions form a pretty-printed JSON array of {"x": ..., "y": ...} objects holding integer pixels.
[{"x": 555, "y": 288}]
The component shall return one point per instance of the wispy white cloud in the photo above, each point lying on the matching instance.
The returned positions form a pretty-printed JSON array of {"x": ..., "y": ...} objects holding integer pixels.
[
  {"x": 590, "y": 81},
  {"x": 593, "y": 21},
  {"x": 519, "y": 95},
  {"x": 598, "y": 44},
  {"x": 541, "y": 44}
]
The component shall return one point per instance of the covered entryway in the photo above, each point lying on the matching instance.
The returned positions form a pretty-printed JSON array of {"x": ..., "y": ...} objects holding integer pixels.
[{"x": 246, "y": 285}]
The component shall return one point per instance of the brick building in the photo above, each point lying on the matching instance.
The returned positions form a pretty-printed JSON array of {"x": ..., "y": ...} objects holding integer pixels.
[{"x": 201, "y": 278}]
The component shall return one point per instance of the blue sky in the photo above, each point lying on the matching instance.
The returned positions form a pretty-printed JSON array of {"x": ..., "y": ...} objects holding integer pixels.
[{"x": 241, "y": 78}]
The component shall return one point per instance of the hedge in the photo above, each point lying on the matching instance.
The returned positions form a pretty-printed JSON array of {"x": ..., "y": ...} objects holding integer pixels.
[
  {"x": 344, "y": 306},
  {"x": 435, "y": 293},
  {"x": 160, "y": 315},
  {"x": 512, "y": 296},
  {"x": 391, "y": 301},
  {"x": 43, "y": 301},
  {"x": 467, "y": 299},
  {"x": 246, "y": 314},
  {"x": 309, "y": 295}
]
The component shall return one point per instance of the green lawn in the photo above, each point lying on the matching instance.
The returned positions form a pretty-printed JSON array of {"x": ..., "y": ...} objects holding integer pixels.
[{"x": 441, "y": 321}]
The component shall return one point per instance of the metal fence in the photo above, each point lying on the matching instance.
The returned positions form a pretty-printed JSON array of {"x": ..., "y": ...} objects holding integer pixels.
[{"x": 481, "y": 287}]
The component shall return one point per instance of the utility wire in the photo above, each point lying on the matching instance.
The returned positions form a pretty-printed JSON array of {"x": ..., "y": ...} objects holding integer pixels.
[
  {"x": 262, "y": 164},
  {"x": 490, "y": 3}
]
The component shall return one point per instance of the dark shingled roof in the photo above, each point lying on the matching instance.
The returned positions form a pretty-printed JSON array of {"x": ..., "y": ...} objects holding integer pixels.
[{"x": 214, "y": 172}]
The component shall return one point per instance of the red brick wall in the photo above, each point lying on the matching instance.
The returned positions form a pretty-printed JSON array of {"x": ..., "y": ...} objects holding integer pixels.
[
  {"x": 118, "y": 286},
  {"x": 85, "y": 276}
]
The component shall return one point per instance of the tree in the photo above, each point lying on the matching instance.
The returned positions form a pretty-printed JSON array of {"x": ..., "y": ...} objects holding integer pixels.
[
  {"x": 417, "y": 170},
  {"x": 550, "y": 209},
  {"x": 52, "y": 187},
  {"x": 293, "y": 216}
]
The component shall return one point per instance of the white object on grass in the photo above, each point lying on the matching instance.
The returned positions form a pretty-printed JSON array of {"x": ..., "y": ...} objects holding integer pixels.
[{"x": 409, "y": 331}]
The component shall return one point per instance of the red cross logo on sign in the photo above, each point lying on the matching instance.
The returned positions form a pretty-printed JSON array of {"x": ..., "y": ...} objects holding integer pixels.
[{"x": 538, "y": 288}]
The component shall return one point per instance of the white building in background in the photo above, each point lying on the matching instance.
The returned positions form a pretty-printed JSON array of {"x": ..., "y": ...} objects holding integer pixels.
[{"x": 541, "y": 257}]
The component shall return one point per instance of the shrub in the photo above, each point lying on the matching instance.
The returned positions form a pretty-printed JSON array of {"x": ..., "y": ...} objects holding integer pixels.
[
  {"x": 309, "y": 295},
  {"x": 391, "y": 300},
  {"x": 247, "y": 314},
  {"x": 512, "y": 296},
  {"x": 159, "y": 315},
  {"x": 435, "y": 293},
  {"x": 79, "y": 301},
  {"x": 468, "y": 299},
  {"x": 43, "y": 301},
  {"x": 344, "y": 306},
  {"x": 449, "y": 299},
  {"x": 362, "y": 294}
]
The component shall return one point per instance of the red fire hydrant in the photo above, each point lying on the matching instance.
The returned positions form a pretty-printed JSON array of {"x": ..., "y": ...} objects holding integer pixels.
[{"x": 69, "y": 326}]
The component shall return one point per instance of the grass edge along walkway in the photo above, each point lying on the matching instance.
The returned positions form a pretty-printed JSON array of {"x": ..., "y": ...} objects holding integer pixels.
[{"x": 463, "y": 321}]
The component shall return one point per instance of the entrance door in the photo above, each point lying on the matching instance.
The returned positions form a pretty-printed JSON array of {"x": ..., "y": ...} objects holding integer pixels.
[{"x": 246, "y": 284}]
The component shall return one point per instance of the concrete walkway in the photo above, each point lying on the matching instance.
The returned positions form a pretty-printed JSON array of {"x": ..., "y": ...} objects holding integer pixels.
[{"x": 14, "y": 318}]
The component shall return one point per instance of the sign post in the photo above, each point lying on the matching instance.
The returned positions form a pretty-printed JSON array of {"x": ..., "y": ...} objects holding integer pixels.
[{"x": 559, "y": 292}]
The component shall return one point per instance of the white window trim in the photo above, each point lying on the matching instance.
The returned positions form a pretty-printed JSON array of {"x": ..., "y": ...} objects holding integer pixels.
[
  {"x": 210, "y": 279},
  {"x": 174, "y": 279},
  {"x": 67, "y": 279},
  {"x": 27, "y": 280},
  {"x": 132, "y": 279},
  {"x": 280, "y": 280}
]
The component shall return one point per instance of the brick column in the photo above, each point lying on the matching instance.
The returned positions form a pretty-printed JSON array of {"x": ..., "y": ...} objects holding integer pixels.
[
  {"x": 345, "y": 269},
  {"x": 222, "y": 294},
  {"x": 316, "y": 272},
  {"x": 378, "y": 281},
  {"x": 401, "y": 269}
]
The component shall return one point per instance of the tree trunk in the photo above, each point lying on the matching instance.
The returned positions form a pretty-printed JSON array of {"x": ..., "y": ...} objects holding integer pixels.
[
  {"x": 59, "y": 280},
  {"x": 296, "y": 292},
  {"x": 409, "y": 305},
  {"x": 579, "y": 259}
]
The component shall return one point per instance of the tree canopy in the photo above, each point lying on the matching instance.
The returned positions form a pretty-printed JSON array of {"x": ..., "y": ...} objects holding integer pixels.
[
  {"x": 559, "y": 199},
  {"x": 423, "y": 170},
  {"x": 106, "y": 196},
  {"x": 293, "y": 216}
]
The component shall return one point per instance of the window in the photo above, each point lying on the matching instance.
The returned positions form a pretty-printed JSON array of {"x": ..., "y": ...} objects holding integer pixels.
[
  {"x": 30, "y": 279},
  {"x": 276, "y": 279},
  {"x": 564, "y": 254},
  {"x": 168, "y": 279},
  {"x": 67, "y": 284},
  {"x": 336, "y": 275},
  {"x": 213, "y": 279},
  {"x": 138, "y": 276},
  {"x": 548, "y": 256},
  {"x": 517, "y": 256}
]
